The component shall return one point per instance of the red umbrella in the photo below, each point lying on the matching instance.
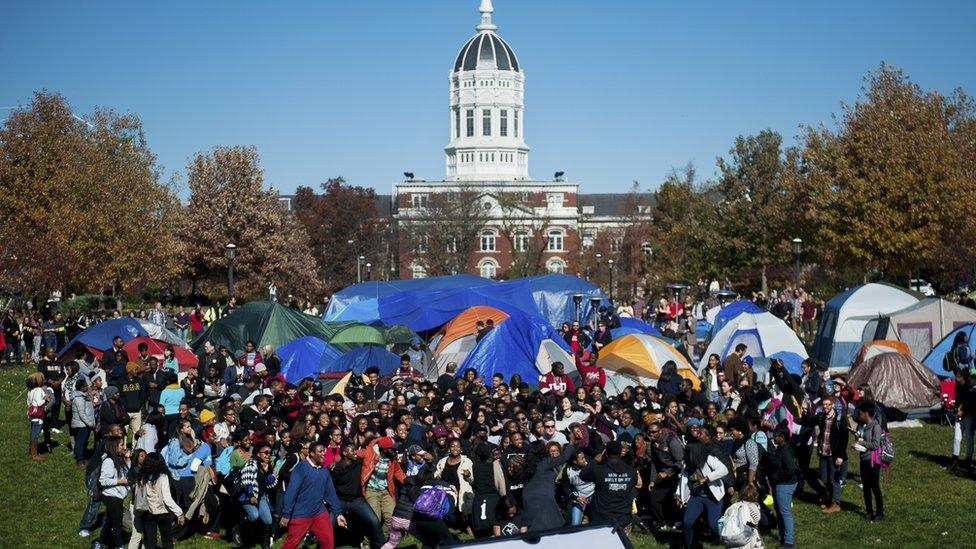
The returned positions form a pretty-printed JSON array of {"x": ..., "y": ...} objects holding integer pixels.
[{"x": 184, "y": 356}]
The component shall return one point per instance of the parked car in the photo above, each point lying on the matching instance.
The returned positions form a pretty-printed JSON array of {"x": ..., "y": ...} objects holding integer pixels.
[{"x": 921, "y": 286}]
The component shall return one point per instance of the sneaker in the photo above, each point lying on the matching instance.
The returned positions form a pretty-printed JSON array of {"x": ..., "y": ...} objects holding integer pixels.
[{"x": 84, "y": 533}]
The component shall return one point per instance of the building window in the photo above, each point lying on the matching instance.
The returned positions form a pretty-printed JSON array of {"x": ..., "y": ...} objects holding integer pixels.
[
  {"x": 556, "y": 266},
  {"x": 555, "y": 240},
  {"x": 587, "y": 240},
  {"x": 452, "y": 245},
  {"x": 488, "y": 268},
  {"x": 503, "y": 123},
  {"x": 486, "y": 122},
  {"x": 422, "y": 244},
  {"x": 521, "y": 240},
  {"x": 515, "y": 113},
  {"x": 457, "y": 122},
  {"x": 615, "y": 243},
  {"x": 417, "y": 271},
  {"x": 488, "y": 240},
  {"x": 418, "y": 200},
  {"x": 469, "y": 120},
  {"x": 554, "y": 200}
]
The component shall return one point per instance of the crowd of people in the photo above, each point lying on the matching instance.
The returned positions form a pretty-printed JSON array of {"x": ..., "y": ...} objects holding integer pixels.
[{"x": 231, "y": 450}]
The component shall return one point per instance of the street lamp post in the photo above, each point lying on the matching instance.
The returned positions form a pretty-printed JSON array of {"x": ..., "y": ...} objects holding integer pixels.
[
  {"x": 359, "y": 268},
  {"x": 231, "y": 252},
  {"x": 610, "y": 263},
  {"x": 797, "y": 248},
  {"x": 369, "y": 271},
  {"x": 596, "y": 275}
]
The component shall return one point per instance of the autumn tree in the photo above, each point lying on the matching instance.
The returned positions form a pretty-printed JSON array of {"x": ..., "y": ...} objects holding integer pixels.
[
  {"x": 84, "y": 208},
  {"x": 343, "y": 223},
  {"x": 682, "y": 217},
  {"x": 524, "y": 228},
  {"x": 891, "y": 188},
  {"x": 228, "y": 204},
  {"x": 633, "y": 256},
  {"x": 443, "y": 232}
]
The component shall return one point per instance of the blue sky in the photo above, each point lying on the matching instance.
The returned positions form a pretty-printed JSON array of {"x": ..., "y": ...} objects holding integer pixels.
[{"x": 616, "y": 91}]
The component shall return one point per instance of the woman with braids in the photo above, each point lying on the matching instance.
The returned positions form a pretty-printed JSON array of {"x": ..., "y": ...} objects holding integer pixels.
[
  {"x": 539, "y": 494},
  {"x": 154, "y": 506},
  {"x": 115, "y": 486}
]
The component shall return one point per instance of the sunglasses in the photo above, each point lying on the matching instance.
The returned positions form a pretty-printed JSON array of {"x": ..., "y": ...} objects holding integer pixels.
[{"x": 550, "y": 426}]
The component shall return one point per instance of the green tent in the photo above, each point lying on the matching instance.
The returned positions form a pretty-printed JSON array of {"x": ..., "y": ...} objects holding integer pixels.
[{"x": 266, "y": 323}]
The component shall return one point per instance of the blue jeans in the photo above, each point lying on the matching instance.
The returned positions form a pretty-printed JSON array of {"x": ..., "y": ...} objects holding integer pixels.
[
  {"x": 81, "y": 440},
  {"x": 260, "y": 511},
  {"x": 783, "y": 498},
  {"x": 361, "y": 510},
  {"x": 576, "y": 512},
  {"x": 693, "y": 510},
  {"x": 832, "y": 476}
]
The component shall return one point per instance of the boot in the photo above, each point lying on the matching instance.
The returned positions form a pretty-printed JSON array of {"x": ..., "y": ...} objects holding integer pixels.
[
  {"x": 954, "y": 465},
  {"x": 33, "y": 452},
  {"x": 266, "y": 535}
]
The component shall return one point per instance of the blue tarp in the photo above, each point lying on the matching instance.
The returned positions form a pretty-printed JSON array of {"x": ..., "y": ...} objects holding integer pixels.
[
  {"x": 100, "y": 335},
  {"x": 360, "y": 358},
  {"x": 933, "y": 360},
  {"x": 301, "y": 358},
  {"x": 546, "y": 296},
  {"x": 702, "y": 329},
  {"x": 633, "y": 326},
  {"x": 375, "y": 289},
  {"x": 512, "y": 347},
  {"x": 732, "y": 310},
  {"x": 791, "y": 361}
]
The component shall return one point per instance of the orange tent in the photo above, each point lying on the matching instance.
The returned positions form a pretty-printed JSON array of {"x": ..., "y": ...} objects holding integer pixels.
[
  {"x": 464, "y": 324},
  {"x": 874, "y": 348}
]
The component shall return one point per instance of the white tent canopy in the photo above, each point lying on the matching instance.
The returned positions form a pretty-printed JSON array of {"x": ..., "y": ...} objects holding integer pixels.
[{"x": 762, "y": 333}]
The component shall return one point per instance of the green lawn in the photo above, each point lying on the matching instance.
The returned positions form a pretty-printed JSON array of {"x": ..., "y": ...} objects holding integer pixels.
[{"x": 926, "y": 505}]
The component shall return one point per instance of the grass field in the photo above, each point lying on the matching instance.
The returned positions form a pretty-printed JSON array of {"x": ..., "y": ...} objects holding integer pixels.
[{"x": 927, "y": 506}]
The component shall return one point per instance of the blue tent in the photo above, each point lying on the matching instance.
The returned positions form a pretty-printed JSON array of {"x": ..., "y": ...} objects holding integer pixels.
[
  {"x": 730, "y": 311},
  {"x": 791, "y": 361},
  {"x": 100, "y": 335},
  {"x": 360, "y": 358},
  {"x": 633, "y": 326},
  {"x": 513, "y": 347},
  {"x": 933, "y": 360},
  {"x": 702, "y": 329},
  {"x": 546, "y": 296},
  {"x": 374, "y": 289},
  {"x": 300, "y": 358}
]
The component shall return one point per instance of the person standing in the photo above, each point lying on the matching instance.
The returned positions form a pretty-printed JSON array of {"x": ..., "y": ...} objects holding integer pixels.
[
  {"x": 539, "y": 493},
  {"x": 115, "y": 487},
  {"x": 615, "y": 485},
  {"x": 37, "y": 399},
  {"x": 782, "y": 475},
  {"x": 257, "y": 480},
  {"x": 308, "y": 501},
  {"x": 965, "y": 410},
  {"x": 53, "y": 377},
  {"x": 182, "y": 323},
  {"x": 869, "y": 435},
  {"x": 832, "y": 439},
  {"x": 82, "y": 418},
  {"x": 153, "y": 505},
  {"x": 133, "y": 396},
  {"x": 732, "y": 366},
  {"x": 157, "y": 316}
]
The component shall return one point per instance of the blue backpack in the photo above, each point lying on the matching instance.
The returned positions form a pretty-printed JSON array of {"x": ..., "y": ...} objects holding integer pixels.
[{"x": 433, "y": 502}]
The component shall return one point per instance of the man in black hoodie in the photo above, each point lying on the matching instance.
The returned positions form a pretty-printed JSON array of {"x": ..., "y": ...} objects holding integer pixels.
[
  {"x": 616, "y": 483},
  {"x": 347, "y": 477},
  {"x": 667, "y": 454}
]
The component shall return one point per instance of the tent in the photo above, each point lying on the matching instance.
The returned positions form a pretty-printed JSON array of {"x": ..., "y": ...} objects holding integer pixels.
[
  {"x": 921, "y": 325},
  {"x": 456, "y": 339},
  {"x": 874, "y": 348},
  {"x": 374, "y": 289},
  {"x": 933, "y": 360},
  {"x": 522, "y": 345},
  {"x": 100, "y": 336},
  {"x": 633, "y": 326},
  {"x": 359, "y": 334},
  {"x": 303, "y": 357},
  {"x": 266, "y": 323},
  {"x": 184, "y": 356},
  {"x": 643, "y": 356},
  {"x": 722, "y": 315},
  {"x": 358, "y": 359},
  {"x": 763, "y": 334},
  {"x": 547, "y": 296},
  {"x": 840, "y": 334},
  {"x": 156, "y": 331},
  {"x": 898, "y": 381}
]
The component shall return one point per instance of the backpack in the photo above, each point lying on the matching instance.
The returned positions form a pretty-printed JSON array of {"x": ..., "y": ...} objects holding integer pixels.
[
  {"x": 432, "y": 502},
  {"x": 94, "y": 486},
  {"x": 735, "y": 527},
  {"x": 884, "y": 453}
]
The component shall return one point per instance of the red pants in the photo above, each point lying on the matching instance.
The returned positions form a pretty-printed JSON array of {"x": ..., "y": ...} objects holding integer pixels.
[{"x": 320, "y": 525}]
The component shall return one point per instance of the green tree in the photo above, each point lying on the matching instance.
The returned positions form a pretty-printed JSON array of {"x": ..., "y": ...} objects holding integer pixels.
[{"x": 682, "y": 216}]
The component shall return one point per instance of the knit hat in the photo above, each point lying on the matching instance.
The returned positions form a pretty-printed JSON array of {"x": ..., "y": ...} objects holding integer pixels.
[
  {"x": 414, "y": 449},
  {"x": 132, "y": 368},
  {"x": 385, "y": 442},
  {"x": 439, "y": 431},
  {"x": 260, "y": 367},
  {"x": 207, "y": 416},
  {"x": 111, "y": 391}
]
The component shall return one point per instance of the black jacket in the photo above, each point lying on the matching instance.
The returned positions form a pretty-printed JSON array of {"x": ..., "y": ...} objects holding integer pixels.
[{"x": 781, "y": 465}]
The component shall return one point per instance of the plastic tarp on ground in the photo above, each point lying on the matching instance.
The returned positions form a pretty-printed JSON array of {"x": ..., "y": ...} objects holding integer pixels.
[
  {"x": 633, "y": 326},
  {"x": 643, "y": 356},
  {"x": 720, "y": 316},
  {"x": 358, "y": 359},
  {"x": 933, "y": 360},
  {"x": 546, "y": 296},
  {"x": 521, "y": 345},
  {"x": 184, "y": 356},
  {"x": 898, "y": 381},
  {"x": 762, "y": 333},
  {"x": 266, "y": 323},
  {"x": 921, "y": 325},
  {"x": 156, "y": 331},
  {"x": 374, "y": 289},
  {"x": 100, "y": 335},
  {"x": 303, "y": 357},
  {"x": 839, "y": 336}
]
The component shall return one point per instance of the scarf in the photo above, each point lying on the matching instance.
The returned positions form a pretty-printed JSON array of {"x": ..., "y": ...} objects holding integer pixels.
[{"x": 823, "y": 446}]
